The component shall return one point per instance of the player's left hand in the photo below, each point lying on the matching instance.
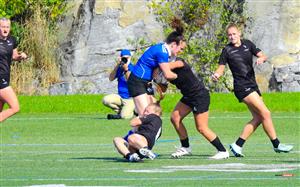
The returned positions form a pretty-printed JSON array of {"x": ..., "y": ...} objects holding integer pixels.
[
  {"x": 23, "y": 56},
  {"x": 215, "y": 77},
  {"x": 260, "y": 61}
]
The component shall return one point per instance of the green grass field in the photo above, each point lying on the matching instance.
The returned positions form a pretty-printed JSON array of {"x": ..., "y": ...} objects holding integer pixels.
[{"x": 74, "y": 148}]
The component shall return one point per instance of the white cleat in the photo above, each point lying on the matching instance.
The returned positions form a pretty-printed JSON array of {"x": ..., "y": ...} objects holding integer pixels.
[
  {"x": 236, "y": 150},
  {"x": 282, "y": 148},
  {"x": 147, "y": 153},
  {"x": 134, "y": 158},
  {"x": 220, "y": 155},
  {"x": 182, "y": 151}
]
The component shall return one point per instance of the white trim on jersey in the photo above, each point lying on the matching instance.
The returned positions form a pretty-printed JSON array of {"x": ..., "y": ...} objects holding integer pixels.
[
  {"x": 158, "y": 134},
  {"x": 168, "y": 50},
  {"x": 143, "y": 70}
]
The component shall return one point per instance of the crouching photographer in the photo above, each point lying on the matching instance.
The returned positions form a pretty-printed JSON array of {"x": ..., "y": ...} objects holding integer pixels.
[{"x": 121, "y": 103}]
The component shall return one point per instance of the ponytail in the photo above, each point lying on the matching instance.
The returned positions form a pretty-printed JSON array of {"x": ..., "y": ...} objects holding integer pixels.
[{"x": 177, "y": 35}]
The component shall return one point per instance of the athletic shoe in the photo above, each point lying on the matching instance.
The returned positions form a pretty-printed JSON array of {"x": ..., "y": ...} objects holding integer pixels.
[
  {"x": 182, "y": 151},
  {"x": 283, "y": 148},
  {"x": 134, "y": 158},
  {"x": 236, "y": 150},
  {"x": 220, "y": 155},
  {"x": 114, "y": 116},
  {"x": 147, "y": 153}
]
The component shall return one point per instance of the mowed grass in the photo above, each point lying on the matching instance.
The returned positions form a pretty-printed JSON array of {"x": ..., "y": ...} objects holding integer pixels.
[{"x": 75, "y": 148}]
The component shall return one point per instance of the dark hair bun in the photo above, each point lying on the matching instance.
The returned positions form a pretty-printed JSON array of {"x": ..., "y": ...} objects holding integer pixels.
[{"x": 177, "y": 24}]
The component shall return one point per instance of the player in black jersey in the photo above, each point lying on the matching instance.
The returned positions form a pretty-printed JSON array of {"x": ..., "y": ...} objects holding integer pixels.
[
  {"x": 8, "y": 52},
  {"x": 147, "y": 129},
  {"x": 195, "y": 99},
  {"x": 238, "y": 54}
]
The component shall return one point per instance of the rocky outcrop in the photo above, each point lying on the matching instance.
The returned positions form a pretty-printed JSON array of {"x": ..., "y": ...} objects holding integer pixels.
[
  {"x": 94, "y": 30},
  {"x": 275, "y": 28},
  {"x": 90, "y": 48},
  {"x": 287, "y": 78}
]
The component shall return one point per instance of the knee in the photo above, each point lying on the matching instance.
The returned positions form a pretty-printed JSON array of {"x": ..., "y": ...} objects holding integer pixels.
[
  {"x": 105, "y": 100},
  {"x": 116, "y": 140},
  {"x": 131, "y": 140},
  {"x": 266, "y": 114},
  {"x": 15, "y": 109},
  {"x": 175, "y": 119},
  {"x": 202, "y": 130},
  {"x": 126, "y": 114},
  {"x": 256, "y": 120}
]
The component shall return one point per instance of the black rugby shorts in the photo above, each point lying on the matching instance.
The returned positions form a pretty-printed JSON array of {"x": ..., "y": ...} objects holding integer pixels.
[
  {"x": 4, "y": 81},
  {"x": 150, "y": 137},
  {"x": 138, "y": 86},
  {"x": 199, "y": 103},
  {"x": 241, "y": 94}
]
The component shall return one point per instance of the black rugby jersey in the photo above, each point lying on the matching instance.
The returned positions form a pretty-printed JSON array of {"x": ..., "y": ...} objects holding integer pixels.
[
  {"x": 6, "y": 51},
  {"x": 240, "y": 61},
  {"x": 186, "y": 81},
  {"x": 150, "y": 124}
]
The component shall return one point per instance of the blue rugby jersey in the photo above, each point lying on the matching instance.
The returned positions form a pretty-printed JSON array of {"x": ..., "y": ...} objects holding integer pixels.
[
  {"x": 122, "y": 82},
  {"x": 150, "y": 60}
]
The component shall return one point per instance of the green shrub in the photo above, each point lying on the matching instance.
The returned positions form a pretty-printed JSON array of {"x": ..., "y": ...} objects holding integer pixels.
[{"x": 205, "y": 22}]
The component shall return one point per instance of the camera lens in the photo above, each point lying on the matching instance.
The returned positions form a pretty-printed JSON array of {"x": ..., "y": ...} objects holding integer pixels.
[{"x": 124, "y": 60}]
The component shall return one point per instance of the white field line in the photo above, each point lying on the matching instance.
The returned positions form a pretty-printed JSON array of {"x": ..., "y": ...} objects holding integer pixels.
[
  {"x": 228, "y": 167},
  {"x": 99, "y": 158},
  {"x": 42, "y": 152},
  {"x": 164, "y": 117},
  {"x": 163, "y": 142},
  {"x": 62, "y": 185},
  {"x": 64, "y": 169},
  {"x": 150, "y": 178}
]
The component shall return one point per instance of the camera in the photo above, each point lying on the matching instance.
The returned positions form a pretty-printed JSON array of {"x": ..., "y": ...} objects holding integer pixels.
[{"x": 124, "y": 60}]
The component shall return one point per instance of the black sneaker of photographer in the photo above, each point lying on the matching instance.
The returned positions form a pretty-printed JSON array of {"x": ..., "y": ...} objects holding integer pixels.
[{"x": 114, "y": 116}]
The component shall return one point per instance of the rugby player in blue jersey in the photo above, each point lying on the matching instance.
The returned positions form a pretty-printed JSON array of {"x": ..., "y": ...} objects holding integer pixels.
[{"x": 156, "y": 56}]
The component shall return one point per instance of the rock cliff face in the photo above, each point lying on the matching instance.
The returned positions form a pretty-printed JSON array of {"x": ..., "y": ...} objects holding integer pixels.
[
  {"x": 94, "y": 30},
  {"x": 275, "y": 28},
  {"x": 97, "y": 29}
]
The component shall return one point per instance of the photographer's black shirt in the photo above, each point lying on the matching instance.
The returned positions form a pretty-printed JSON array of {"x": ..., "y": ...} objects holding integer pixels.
[
  {"x": 6, "y": 51},
  {"x": 240, "y": 61}
]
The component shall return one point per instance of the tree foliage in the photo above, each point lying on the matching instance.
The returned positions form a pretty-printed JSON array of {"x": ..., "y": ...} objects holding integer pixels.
[
  {"x": 34, "y": 25},
  {"x": 205, "y": 22},
  {"x": 22, "y": 9},
  {"x": 19, "y": 11}
]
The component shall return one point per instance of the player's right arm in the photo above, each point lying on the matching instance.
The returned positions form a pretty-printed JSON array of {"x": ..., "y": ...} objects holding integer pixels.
[
  {"x": 218, "y": 73},
  {"x": 176, "y": 64},
  {"x": 167, "y": 71}
]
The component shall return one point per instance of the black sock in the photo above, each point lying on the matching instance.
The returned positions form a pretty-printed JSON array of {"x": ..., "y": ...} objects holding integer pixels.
[
  {"x": 217, "y": 143},
  {"x": 275, "y": 142},
  {"x": 127, "y": 156},
  {"x": 240, "y": 142},
  {"x": 185, "y": 142}
]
